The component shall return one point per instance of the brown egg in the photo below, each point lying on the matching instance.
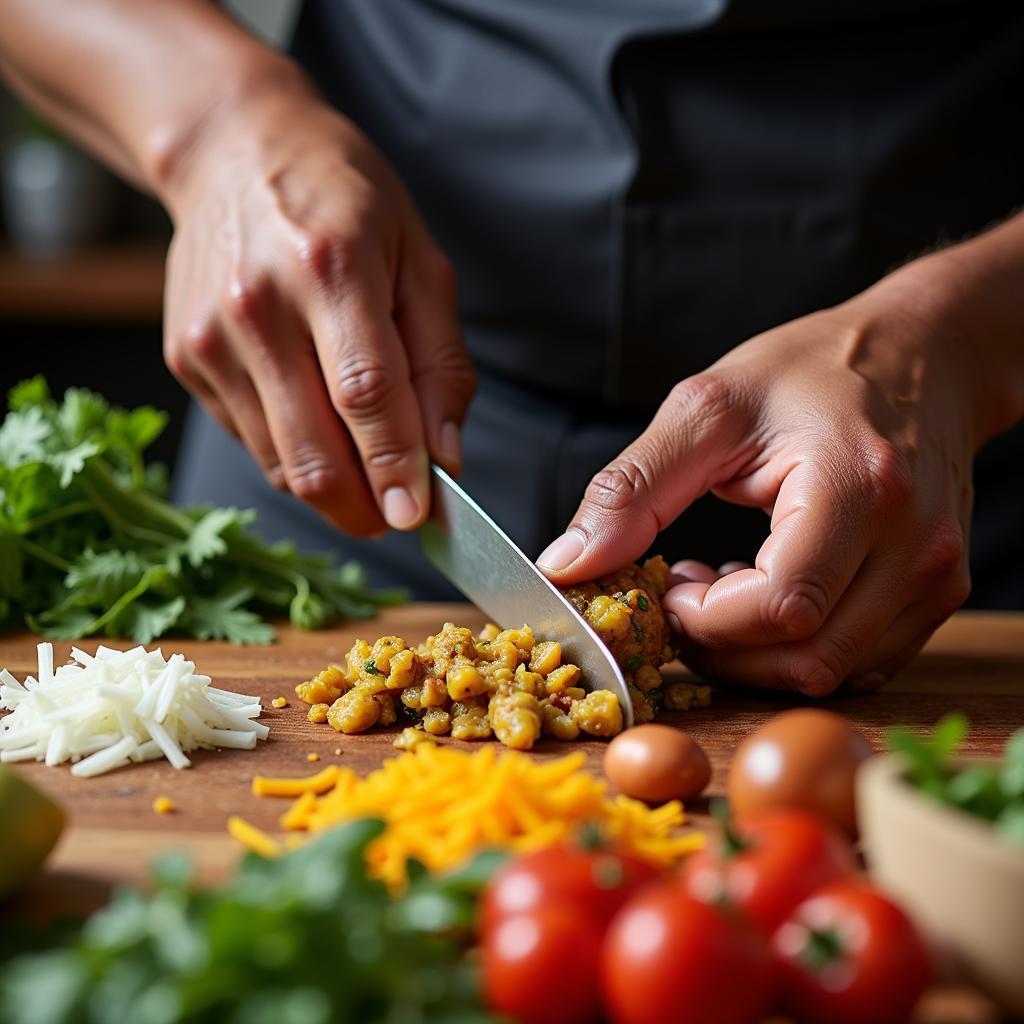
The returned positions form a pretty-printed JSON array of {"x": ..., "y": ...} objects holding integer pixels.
[
  {"x": 656, "y": 763},
  {"x": 804, "y": 758}
]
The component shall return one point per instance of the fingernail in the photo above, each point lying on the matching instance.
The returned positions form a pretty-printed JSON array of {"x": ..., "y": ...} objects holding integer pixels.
[
  {"x": 400, "y": 510},
  {"x": 451, "y": 443},
  {"x": 673, "y": 622},
  {"x": 277, "y": 478},
  {"x": 561, "y": 553}
]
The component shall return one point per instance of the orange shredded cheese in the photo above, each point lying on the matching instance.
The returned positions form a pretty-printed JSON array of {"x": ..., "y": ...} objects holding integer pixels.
[
  {"x": 441, "y": 805},
  {"x": 312, "y": 756},
  {"x": 319, "y": 783},
  {"x": 163, "y": 805},
  {"x": 280, "y": 702},
  {"x": 253, "y": 838}
]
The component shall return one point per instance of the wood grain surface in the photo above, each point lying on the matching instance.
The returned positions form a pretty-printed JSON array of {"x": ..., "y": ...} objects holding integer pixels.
[{"x": 975, "y": 663}]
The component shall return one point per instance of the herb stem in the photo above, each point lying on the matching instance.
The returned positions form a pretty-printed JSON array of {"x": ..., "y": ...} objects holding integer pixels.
[{"x": 38, "y": 551}]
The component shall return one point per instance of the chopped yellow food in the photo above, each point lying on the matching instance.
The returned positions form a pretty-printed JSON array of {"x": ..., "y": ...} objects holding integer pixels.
[
  {"x": 441, "y": 805},
  {"x": 253, "y": 838},
  {"x": 409, "y": 738},
  {"x": 319, "y": 783},
  {"x": 280, "y": 702},
  {"x": 504, "y": 682},
  {"x": 685, "y": 696},
  {"x": 163, "y": 805},
  {"x": 312, "y": 756}
]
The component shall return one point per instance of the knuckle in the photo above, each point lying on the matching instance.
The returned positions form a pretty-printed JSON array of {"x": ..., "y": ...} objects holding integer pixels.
[
  {"x": 174, "y": 358},
  {"x": 702, "y": 398},
  {"x": 887, "y": 475},
  {"x": 312, "y": 480},
  {"x": 812, "y": 676},
  {"x": 247, "y": 297},
  {"x": 202, "y": 341},
  {"x": 451, "y": 369},
  {"x": 944, "y": 548},
  {"x": 799, "y": 609},
  {"x": 952, "y": 596},
  {"x": 389, "y": 459},
  {"x": 328, "y": 257},
  {"x": 616, "y": 487},
  {"x": 361, "y": 389}
]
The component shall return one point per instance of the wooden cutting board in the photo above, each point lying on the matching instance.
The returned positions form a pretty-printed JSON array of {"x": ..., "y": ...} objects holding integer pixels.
[{"x": 975, "y": 663}]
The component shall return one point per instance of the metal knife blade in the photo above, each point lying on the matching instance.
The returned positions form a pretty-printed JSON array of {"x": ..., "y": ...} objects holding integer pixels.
[{"x": 473, "y": 552}]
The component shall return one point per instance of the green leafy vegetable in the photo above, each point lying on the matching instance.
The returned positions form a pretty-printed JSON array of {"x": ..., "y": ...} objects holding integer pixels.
[
  {"x": 305, "y": 939},
  {"x": 89, "y": 545},
  {"x": 992, "y": 792}
]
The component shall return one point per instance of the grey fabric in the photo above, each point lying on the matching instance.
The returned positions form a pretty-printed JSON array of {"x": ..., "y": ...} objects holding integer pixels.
[{"x": 630, "y": 188}]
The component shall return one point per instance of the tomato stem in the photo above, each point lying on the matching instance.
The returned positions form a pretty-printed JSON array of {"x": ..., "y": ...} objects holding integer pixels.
[
  {"x": 733, "y": 844},
  {"x": 824, "y": 946}
]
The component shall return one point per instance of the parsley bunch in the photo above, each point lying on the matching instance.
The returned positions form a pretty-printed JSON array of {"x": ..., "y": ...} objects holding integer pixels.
[
  {"x": 304, "y": 939},
  {"x": 89, "y": 545},
  {"x": 994, "y": 792}
]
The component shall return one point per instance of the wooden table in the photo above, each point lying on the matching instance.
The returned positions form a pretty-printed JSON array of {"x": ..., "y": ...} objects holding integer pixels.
[{"x": 975, "y": 664}]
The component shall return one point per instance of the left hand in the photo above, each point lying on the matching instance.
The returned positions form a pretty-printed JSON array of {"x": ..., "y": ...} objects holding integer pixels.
[{"x": 854, "y": 429}]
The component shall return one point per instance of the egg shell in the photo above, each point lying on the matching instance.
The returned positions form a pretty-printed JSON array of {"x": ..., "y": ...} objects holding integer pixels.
[
  {"x": 656, "y": 763},
  {"x": 805, "y": 758}
]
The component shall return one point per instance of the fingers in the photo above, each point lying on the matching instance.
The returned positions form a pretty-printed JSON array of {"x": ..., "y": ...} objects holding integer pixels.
[
  {"x": 287, "y": 397},
  {"x": 822, "y": 530},
  {"x": 442, "y": 374},
  {"x": 695, "y": 439},
  {"x": 368, "y": 381},
  {"x": 875, "y": 630}
]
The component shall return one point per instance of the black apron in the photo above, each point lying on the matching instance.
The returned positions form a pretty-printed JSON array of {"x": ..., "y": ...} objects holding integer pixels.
[{"x": 630, "y": 188}]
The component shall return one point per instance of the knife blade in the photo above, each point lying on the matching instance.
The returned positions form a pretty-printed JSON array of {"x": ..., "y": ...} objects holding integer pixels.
[{"x": 462, "y": 541}]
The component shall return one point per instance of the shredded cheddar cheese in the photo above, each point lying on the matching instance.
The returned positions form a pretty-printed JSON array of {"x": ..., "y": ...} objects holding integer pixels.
[
  {"x": 253, "y": 838},
  {"x": 441, "y": 805},
  {"x": 163, "y": 805}
]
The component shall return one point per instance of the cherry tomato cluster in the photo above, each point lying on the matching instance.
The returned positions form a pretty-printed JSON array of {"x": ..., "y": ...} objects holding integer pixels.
[{"x": 772, "y": 917}]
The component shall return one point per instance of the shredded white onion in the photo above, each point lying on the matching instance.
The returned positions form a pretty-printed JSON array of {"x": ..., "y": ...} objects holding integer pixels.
[{"x": 105, "y": 710}]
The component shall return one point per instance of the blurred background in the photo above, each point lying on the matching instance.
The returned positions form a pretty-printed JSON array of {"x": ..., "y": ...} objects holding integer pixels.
[{"x": 82, "y": 260}]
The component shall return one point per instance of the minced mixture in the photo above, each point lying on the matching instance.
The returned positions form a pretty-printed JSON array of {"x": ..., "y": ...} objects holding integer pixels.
[{"x": 506, "y": 683}]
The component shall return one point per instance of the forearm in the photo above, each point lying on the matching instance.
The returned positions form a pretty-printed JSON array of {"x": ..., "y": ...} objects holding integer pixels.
[
  {"x": 137, "y": 83},
  {"x": 973, "y": 293}
]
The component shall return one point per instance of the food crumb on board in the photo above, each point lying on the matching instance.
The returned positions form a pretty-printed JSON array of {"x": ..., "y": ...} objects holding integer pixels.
[
  {"x": 280, "y": 702},
  {"x": 337, "y": 751},
  {"x": 312, "y": 756},
  {"x": 163, "y": 805}
]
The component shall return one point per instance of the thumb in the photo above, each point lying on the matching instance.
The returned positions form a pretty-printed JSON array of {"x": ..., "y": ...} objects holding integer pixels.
[{"x": 694, "y": 442}]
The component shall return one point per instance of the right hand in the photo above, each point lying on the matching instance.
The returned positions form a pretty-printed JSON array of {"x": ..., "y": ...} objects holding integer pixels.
[{"x": 310, "y": 312}]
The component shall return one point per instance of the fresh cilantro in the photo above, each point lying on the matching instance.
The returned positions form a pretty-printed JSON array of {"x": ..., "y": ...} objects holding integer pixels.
[
  {"x": 89, "y": 544},
  {"x": 253, "y": 950},
  {"x": 371, "y": 668},
  {"x": 994, "y": 792},
  {"x": 638, "y": 632},
  {"x": 642, "y": 603},
  {"x": 634, "y": 663}
]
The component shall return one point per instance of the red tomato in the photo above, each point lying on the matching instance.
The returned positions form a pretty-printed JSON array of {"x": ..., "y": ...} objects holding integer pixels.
[
  {"x": 768, "y": 863},
  {"x": 849, "y": 955},
  {"x": 542, "y": 967},
  {"x": 670, "y": 959},
  {"x": 597, "y": 881}
]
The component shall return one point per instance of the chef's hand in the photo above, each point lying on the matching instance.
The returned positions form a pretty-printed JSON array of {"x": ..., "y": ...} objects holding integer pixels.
[
  {"x": 854, "y": 429},
  {"x": 309, "y": 310}
]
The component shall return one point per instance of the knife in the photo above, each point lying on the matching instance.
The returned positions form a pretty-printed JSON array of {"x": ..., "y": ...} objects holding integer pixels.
[{"x": 462, "y": 541}]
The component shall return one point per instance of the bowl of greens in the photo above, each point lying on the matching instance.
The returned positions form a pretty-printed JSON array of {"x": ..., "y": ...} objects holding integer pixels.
[{"x": 945, "y": 835}]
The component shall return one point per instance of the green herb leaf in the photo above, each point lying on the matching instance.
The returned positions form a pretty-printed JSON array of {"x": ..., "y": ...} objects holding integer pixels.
[
  {"x": 1011, "y": 778},
  {"x": 88, "y": 543},
  {"x": 634, "y": 663},
  {"x": 642, "y": 603}
]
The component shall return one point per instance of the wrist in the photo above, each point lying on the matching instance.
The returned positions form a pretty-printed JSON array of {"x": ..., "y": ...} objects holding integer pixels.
[
  {"x": 943, "y": 299},
  {"x": 248, "y": 82}
]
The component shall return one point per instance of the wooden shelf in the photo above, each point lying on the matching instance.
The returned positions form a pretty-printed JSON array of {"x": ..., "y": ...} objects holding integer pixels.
[{"x": 111, "y": 283}]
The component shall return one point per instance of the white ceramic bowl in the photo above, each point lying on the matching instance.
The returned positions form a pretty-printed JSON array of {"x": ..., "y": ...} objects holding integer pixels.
[{"x": 962, "y": 882}]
